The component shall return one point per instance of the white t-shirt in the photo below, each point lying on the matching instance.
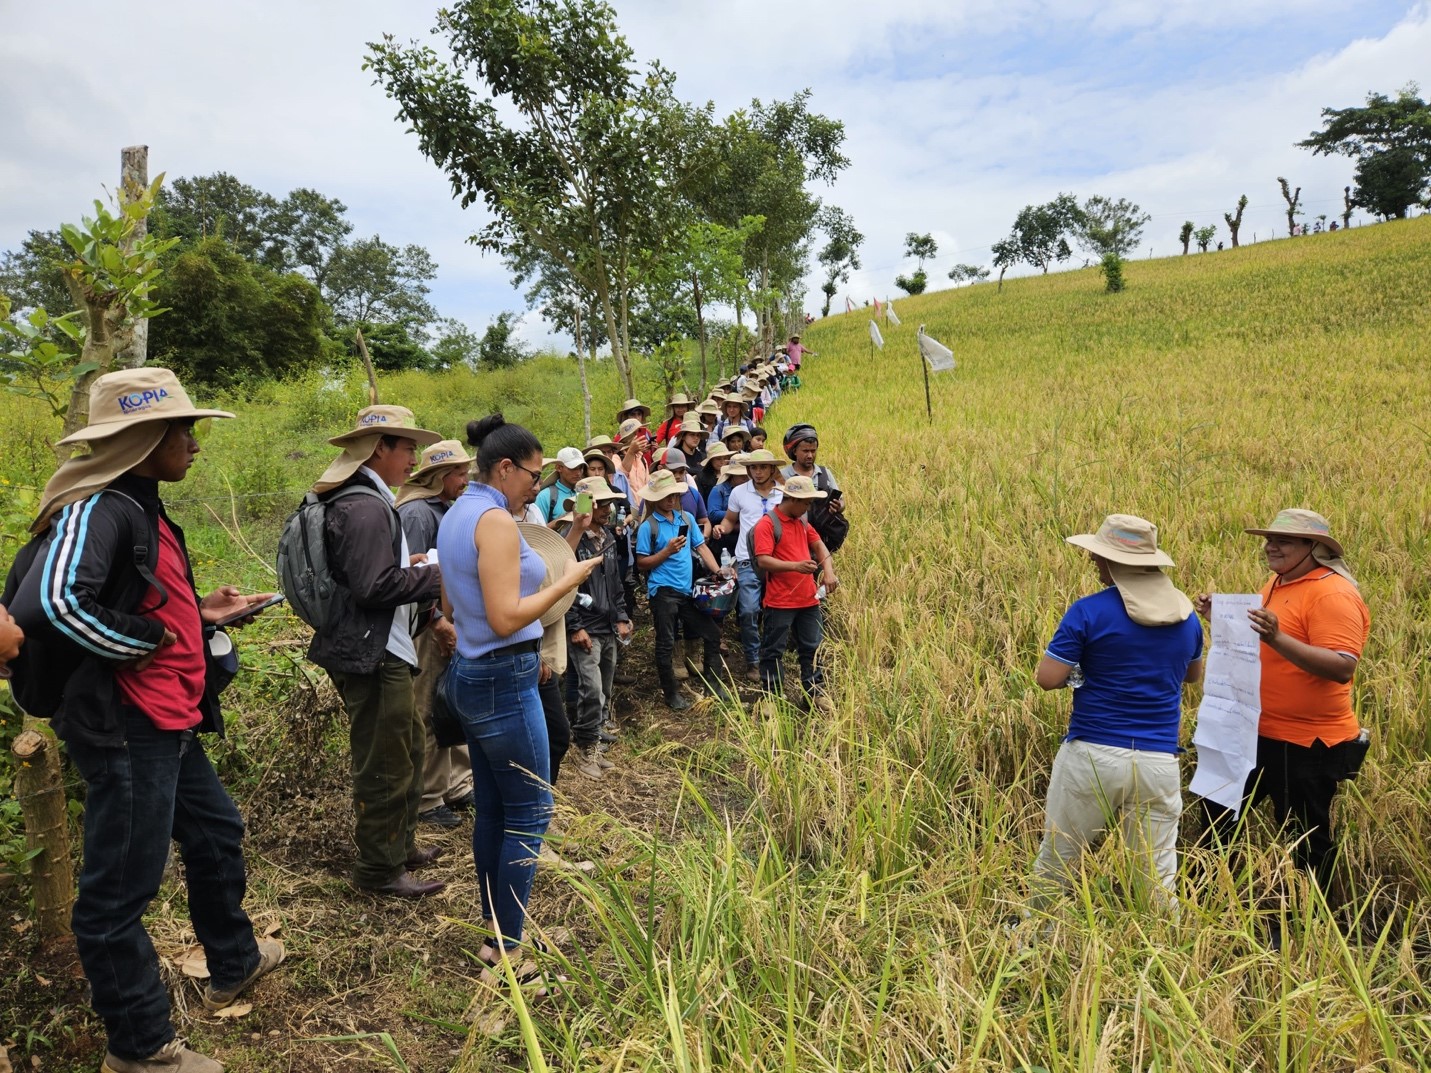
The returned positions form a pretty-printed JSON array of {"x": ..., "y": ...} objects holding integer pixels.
[
  {"x": 747, "y": 503},
  {"x": 400, "y": 634}
]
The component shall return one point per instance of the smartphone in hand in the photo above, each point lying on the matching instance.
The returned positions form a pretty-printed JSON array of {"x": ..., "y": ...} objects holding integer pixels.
[
  {"x": 583, "y": 503},
  {"x": 252, "y": 609}
]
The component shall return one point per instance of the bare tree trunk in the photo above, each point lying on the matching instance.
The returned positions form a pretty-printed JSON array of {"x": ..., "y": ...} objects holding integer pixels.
[
  {"x": 1346, "y": 206},
  {"x": 133, "y": 184},
  {"x": 368, "y": 365},
  {"x": 581, "y": 367},
  {"x": 700, "y": 327},
  {"x": 97, "y": 357},
  {"x": 1291, "y": 200},
  {"x": 735, "y": 343},
  {"x": 41, "y": 793}
]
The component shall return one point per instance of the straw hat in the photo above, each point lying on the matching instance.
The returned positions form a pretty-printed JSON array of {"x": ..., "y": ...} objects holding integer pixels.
[
  {"x": 662, "y": 484},
  {"x": 556, "y": 553},
  {"x": 680, "y": 398},
  {"x": 1307, "y": 524},
  {"x": 1124, "y": 538},
  {"x": 441, "y": 455},
  {"x": 128, "y": 397},
  {"x": 631, "y": 406},
  {"x": 386, "y": 421},
  {"x": 799, "y": 487}
]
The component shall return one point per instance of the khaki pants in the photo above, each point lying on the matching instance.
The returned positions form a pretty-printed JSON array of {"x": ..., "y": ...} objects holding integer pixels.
[
  {"x": 446, "y": 772},
  {"x": 1094, "y": 787}
]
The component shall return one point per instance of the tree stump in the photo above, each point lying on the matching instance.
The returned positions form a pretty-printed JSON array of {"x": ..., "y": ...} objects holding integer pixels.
[{"x": 41, "y": 793}]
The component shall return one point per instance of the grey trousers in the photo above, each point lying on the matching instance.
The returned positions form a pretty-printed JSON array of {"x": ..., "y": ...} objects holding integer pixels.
[{"x": 595, "y": 672}]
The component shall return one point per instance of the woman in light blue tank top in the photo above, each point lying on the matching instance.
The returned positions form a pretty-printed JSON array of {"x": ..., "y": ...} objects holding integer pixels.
[{"x": 492, "y": 592}]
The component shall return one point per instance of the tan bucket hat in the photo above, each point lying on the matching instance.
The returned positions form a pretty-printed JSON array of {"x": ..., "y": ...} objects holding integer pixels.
[
  {"x": 629, "y": 428},
  {"x": 720, "y": 450},
  {"x": 386, "y": 421},
  {"x": 662, "y": 484},
  {"x": 598, "y": 489},
  {"x": 759, "y": 458},
  {"x": 128, "y": 397},
  {"x": 1299, "y": 522},
  {"x": 680, "y": 398},
  {"x": 690, "y": 423},
  {"x": 799, "y": 487},
  {"x": 1124, "y": 538},
  {"x": 599, "y": 441},
  {"x": 441, "y": 455},
  {"x": 709, "y": 408},
  {"x": 632, "y": 405},
  {"x": 733, "y": 469},
  {"x": 556, "y": 553}
]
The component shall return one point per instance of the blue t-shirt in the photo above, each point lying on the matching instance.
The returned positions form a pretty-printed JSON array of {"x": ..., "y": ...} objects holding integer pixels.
[
  {"x": 1131, "y": 695},
  {"x": 677, "y": 572}
]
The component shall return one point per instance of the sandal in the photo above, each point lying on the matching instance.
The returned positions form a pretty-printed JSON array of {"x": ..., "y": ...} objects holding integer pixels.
[{"x": 530, "y": 975}]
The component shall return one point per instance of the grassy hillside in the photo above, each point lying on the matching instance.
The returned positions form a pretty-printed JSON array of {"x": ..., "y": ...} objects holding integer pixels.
[{"x": 832, "y": 893}]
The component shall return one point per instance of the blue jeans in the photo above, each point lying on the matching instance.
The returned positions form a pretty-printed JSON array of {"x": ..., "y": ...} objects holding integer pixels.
[
  {"x": 749, "y": 592},
  {"x": 497, "y": 700},
  {"x": 159, "y": 786}
]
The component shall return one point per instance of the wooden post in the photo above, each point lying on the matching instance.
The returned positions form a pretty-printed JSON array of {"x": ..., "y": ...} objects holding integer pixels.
[
  {"x": 581, "y": 368},
  {"x": 41, "y": 793},
  {"x": 133, "y": 182},
  {"x": 367, "y": 364}
]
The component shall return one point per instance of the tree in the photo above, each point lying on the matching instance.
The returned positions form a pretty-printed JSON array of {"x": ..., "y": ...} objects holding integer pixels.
[
  {"x": 921, "y": 247},
  {"x": 1111, "y": 265},
  {"x": 1234, "y": 223},
  {"x": 1347, "y": 206},
  {"x": 33, "y": 277},
  {"x": 1041, "y": 231},
  {"x": 394, "y": 346},
  {"x": 709, "y": 269},
  {"x": 192, "y": 209},
  {"x": 575, "y": 160},
  {"x": 1390, "y": 139},
  {"x": 841, "y": 253},
  {"x": 912, "y": 284},
  {"x": 969, "y": 274},
  {"x": 1293, "y": 201},
  {"x": 1185, "y": 234},
  {"x": 456, "y": 344},
  {"x": 1204, "y": 236},
  {"x": 1006, "y": 255},
  {"x": 1106, "y": 226},
  {"x": 231, "y": 318},
  {"x": 498, "y": 350},
  {"x": 306, "y": 231},
  {"x": 371, "y": 281}
]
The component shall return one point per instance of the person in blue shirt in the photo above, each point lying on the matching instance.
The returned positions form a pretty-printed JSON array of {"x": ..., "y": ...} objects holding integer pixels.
[
  {"x": 664, "y": 541},
  {"x": 570, "y": 468},
  {"x": 1126, "y": 652}
]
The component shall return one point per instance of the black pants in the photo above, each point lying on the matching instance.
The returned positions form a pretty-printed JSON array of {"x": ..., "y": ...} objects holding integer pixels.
[
  {"x": 804, "y": 628},
  {"x": 1301, "y": 780},
  {"x": 558, "y": 727},
  {"x": 669, "y": 607}
]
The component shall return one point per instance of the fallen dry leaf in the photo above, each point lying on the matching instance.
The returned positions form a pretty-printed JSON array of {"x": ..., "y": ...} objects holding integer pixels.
[
  {"x": 192, "y": 962},
  {"x": 238, "y": 1009}
]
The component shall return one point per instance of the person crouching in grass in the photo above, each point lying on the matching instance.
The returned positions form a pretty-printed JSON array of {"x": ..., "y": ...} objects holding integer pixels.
[
  {"x": 790, "y": 560},
  {"x": 663, "y": 549},
  {"x": 1126, "y": 651}
]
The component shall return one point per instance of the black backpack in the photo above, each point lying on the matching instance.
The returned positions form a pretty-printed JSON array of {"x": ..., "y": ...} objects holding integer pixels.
[
  {"x": 48, "y": 658},
  {"x": 750, "y": 541},
  {"x": 833, "y": 528},
  {"x": 304, "y": 573}
]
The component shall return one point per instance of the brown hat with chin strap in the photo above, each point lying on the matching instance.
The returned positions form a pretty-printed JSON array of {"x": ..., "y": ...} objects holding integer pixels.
[{"x": 359, "y": 443}]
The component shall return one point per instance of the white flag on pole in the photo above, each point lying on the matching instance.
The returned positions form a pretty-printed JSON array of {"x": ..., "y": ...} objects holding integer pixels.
[
  {"x": 890, "y": 313},
  {"x": 939, "y": 356},
  {"x": 875, "y": 337}
]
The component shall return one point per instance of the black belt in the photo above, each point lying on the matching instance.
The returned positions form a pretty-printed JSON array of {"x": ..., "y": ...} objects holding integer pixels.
[{"x": 521, "y": 648}]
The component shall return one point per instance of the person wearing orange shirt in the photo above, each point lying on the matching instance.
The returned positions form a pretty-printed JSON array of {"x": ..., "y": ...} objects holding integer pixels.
[{"x": 1313, "y": 625}]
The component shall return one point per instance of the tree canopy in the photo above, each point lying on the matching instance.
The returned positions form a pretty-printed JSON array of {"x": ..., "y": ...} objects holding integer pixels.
[{"x": 1390, "y": 140}]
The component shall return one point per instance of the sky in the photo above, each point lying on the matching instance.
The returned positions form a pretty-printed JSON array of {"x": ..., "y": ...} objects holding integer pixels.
[{"x": 957, "y": 112}]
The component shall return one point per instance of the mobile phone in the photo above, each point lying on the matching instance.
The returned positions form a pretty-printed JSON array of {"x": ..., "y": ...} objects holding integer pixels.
[
  {"x": 253, "y": 609},
  {"x": 682, "y": 529},
  {"x": 583, "y": 502}
]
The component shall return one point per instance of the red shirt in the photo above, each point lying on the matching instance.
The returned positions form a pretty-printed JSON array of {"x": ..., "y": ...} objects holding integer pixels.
[
  {"x": 169, "y": 690},
  {"x": 788, "y": 588}
]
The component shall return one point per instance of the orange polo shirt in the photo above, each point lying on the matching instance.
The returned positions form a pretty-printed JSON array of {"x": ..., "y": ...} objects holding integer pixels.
[{"x": 1322, "y": 609}]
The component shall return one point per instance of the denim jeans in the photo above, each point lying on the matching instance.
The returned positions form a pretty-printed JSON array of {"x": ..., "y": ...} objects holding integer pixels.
[
  {"x": 750, "y": 590},
  {"x": 668, "y": 608},
  {"x": 809, "y": 630},
  {"x": 497, "y": 701},
  {"x": 157, "y": 787},
  {"x": 594, "y": 673}
]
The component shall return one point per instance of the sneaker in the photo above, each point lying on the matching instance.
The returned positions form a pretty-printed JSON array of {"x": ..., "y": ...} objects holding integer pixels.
[
  {"x": 441, "y": 816},
  {"x": 270, "y": 956},
  {"x": 462, "y": 804},
  {"x": 586, "y": 763},
  {"x": 605, "y": 737},
  {"x": 173, "y": 1057},
  {"x": 752, "y": 673}
]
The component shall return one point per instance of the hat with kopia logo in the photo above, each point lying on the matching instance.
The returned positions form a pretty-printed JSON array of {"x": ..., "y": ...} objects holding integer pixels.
[
  {"x": 799, "y": 487},
  {"x": 386, "y": 421},
  {"x": 441, "y": 455},
  {"x": 629, "y": 428},
  {"x": 662, "y": 484},
  {"x": 128, "y": 397}
]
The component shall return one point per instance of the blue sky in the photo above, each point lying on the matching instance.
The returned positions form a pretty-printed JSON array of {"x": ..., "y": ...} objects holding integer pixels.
[{"x": 957, "y": 113}]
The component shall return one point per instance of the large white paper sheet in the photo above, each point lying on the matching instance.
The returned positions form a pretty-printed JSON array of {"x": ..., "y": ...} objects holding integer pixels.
[{"x": 1226, "y": 735}]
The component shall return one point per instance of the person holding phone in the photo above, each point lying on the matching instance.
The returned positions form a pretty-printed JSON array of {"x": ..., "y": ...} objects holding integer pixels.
[
  {"x": 663, "y": 549},
  {"x": 495, "y": 597}
]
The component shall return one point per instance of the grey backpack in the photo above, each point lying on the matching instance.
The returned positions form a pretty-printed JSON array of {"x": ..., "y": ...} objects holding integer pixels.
[{"x": 304, "y": 575}]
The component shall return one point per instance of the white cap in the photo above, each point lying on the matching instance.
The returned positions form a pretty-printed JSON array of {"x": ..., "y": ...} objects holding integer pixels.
[{"x": 571, "y": 458}]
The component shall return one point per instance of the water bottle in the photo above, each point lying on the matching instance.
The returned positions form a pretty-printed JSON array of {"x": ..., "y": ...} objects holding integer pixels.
[
  {"x": 1075, "y": 677},
  {"x": 726, "y": 558}
]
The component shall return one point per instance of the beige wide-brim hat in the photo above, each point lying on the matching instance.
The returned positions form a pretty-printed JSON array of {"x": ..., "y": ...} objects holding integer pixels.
[
  {"x": 799, "y": 487},
  {"x": 1124, "y": 538},
  {"x": 710, "y": 408},
  {"x": 661, "y": 485},
  {"x": 680, "y": 398},
  {"x": 1306, "y": 524},
  {"x": 597, "y": 488},
  {"x": 690, "y": 423},
  {"x": 761, "y": 457},
  {"x": 632, "y": 406},
  {"x": 720, "y": 450},
  {"x": 732, "y": 469},
  {"x": 129, "y": 397},
  {"x": 386, "y": 421},
  {"x": 555, "y": 553},
  {"x": 443, "y": 454},
  {"x": 600, "y": 441}
]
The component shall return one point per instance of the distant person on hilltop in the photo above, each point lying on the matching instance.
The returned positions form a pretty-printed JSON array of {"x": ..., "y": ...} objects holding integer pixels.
[
  {"x": 1313, "y": 625},
  {"x": 1125, "y": 652}
]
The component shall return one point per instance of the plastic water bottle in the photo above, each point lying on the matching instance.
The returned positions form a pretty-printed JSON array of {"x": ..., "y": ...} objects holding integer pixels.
[
  {"x": 726, "y": 558},
  {"x": 820, "y": 592},
  {"x": 1075, "y": 677}
]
